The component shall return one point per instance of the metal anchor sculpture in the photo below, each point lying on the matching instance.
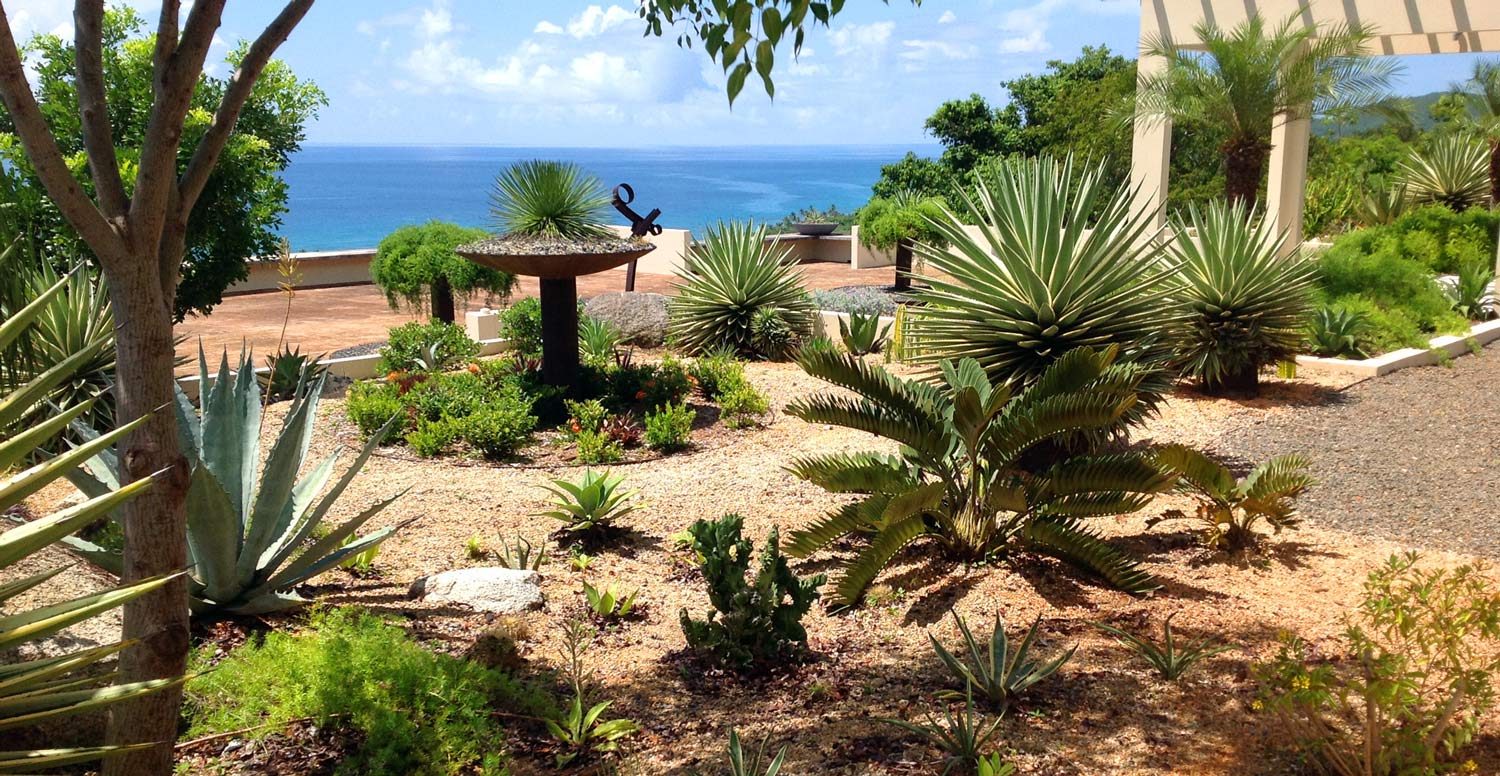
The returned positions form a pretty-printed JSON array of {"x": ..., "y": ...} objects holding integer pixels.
[{"x": 639, "y": 227}]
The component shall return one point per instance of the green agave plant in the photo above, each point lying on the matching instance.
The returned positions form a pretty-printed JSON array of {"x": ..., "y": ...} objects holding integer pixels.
[
  {"x": 959, "y": 481},
  {"x": 542, "y": 198},
  {"x": 1246, "y": 304},
  {"x": 1058, "y": 260},
  {"x": 863, "y": 334},
  {"x": 1381, "y": 205},
  {"x": 1334, "y": 332},
  {"x": 1472, "y": 292},
  {"x": 592, "y": 505},
  {"x": 732, "y": 275},
  {"x": 32, "y": 691},
  {"x": 992, "y": 668},
  {"x": 250, "y": 533},
  {"x": 1454, "y": 171},
  {"x": 289, "y": 369}
]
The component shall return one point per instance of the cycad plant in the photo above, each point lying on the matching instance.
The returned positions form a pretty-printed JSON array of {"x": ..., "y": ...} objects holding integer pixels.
[
  {"x": 1245, "y": 303},
  {"x": 1244, "y": 80},
  {"x": 250, "y": 532},
  {"x": 732, "y": 276},
  {"x": 1229, "y": 508},
  {"x": 1454, "y": 171},
  {"x": 1043, "y": 278},
  {"x": 961, "y": 480},
  {"x": 39, "y": 690},
  {"x": 543, "y": 198}
]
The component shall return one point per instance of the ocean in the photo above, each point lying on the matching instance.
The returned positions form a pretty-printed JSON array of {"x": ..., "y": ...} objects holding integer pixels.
[{"x": 344, "y": 197}]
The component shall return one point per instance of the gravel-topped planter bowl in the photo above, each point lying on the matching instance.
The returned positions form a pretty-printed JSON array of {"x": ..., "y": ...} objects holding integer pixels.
[
  {"x": 557, "y": 262},
  {"x": 815, "y": 229}
]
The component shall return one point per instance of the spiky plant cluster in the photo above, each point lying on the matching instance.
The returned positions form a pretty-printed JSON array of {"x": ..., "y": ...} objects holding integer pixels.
[
  {"x": 1454, "y": 171},
  {"x": 961, "y": 481},
  {"x": 740, "y": 292},
  {"x": 1246, "y": 304},
  {"x": 1061, "y": 261},
  {"x": 543, "y": 198}
]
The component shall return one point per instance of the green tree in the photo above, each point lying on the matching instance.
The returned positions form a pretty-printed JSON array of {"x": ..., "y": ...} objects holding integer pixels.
[
  {"x": 1249, "y": 77},
  {"x": 913, "y": 173},
  {"x": 417, "y": 265},
  {"x": 242, "y": 201},
  {"x": 1482, "y": 96},
  {"x": 899, "y": 222}
]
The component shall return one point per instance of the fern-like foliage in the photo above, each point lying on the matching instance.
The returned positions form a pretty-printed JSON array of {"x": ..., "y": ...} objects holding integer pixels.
[
  {"x": 962, "y": 480},
  {"x": 1230, "y": 509}
]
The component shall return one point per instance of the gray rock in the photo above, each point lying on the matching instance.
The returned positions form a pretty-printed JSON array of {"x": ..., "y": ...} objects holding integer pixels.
[
  {"x": 640, "y": 317},
  {"x": 486, "y": 589}
]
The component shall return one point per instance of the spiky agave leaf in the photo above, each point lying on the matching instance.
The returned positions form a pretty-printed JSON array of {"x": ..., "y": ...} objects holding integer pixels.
[
  {"x": 731, "y": 275},
  {"x": 1246, "y": 304},
  {"x": 543, "y": 198},
  {"x": 1454, "y": 172},
  {"x": 1057, "y": 261}
]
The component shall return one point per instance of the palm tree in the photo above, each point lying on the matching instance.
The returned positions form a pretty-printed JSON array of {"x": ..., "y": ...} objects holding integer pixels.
[
  {"x": 1482, "y": 91},
  {"x": 1245, "y": 79}
]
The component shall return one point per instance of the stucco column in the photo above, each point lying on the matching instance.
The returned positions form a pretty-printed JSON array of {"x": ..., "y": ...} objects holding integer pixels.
[
  {"x": 1151, "y": 153},
  {"x": 1286, "y": 183}
]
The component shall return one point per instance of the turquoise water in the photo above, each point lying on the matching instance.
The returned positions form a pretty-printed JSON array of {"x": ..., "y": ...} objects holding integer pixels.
[{"x": 351, "y": 196}]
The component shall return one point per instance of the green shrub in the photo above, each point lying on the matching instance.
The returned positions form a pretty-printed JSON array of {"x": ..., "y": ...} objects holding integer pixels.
[
  {"x": 753, "y": 620},
  {"x": 585, "y": 416},
  {"x": 597, "y": 447},
  {"x": 741, "y": 406},
  {"x": 432, "y": 438},
  {"x": 412, "y": 345},
  {"x": 420, "y": 712},
  {"x": 521, "y": 323},
  {"x": 1406, "y": 696},
  {"x": 415, "y": 263},
  {"x": 371, "y": 405},
  {"x": 1403, "y": 289},
  {"x": 713, "y": 371},
  {"x": 670, "y": 427},
  {"x": 498, "y": 429}
]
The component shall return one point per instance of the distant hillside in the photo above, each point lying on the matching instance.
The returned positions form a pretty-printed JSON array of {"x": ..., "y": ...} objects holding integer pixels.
[{"x": 1421, "y": 112}]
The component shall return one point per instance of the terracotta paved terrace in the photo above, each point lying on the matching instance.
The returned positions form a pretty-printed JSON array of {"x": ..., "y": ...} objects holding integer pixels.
[{"x": 324, "y": 320}]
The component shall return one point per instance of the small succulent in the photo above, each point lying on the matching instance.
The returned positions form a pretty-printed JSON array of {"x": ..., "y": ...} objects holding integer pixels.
[
  {"x": 289, "y": 372},
  {"x": 609, "y": 602},
  {"x": 1335, "y": 332},
  {"x": 863, "y": 334},
  {"x": 1170, "y": 659},
  {"x": 592, "y": 505},
  {"x": 992, "y": 668}
]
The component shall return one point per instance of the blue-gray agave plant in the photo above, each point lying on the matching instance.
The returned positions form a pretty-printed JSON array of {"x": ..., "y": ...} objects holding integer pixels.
[{"x": 251, "y": 535}]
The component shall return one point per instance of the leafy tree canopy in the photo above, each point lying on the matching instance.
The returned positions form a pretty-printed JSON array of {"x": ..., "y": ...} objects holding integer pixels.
[
  {"x": 885, "y": 222},
  {"x": 241, "y": 206},
  {"x": 412, "y": 259}
]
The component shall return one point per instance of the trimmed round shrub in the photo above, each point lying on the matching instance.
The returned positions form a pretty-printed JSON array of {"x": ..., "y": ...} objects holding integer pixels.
[{"x": 433, "y": 346}]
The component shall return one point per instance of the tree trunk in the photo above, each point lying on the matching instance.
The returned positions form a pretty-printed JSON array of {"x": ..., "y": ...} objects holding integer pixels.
[
  {"x": 158, "y": 621},
  {"x": 1244, "y": 165},
  {"x": 442, "y": 300},
  {"x": 1244, "y": 382},
  {"x": 903, "y": 265},
  {"x": 1494, "y": 173}
]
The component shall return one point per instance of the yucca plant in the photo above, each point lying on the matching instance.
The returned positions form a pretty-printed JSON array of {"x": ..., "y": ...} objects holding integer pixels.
[
  {"x": 1453, "y": 171},
  {"x": 1245, "y": 303},
  {"x": 1335, "y": 332},
  {"x": 1230, "y": 509},
  {"x": 597, "y": 341},
  {"x": 541, "y": 198},
  {"x": 961, "y": 480},
  {"x": 1170, "y": 659},
  {"x": 754, "y": 765},
  {"x": 38, "y": 690},
  {"x": 288, "y": 369},
  {"x": 1472, "y": 292},
  {"x": 732, "y": 275},
  {"x": 1062, "y": 260},
  {"x": 592, "y": 505},
  {"x": 992, "y": 669},
  {"x": 863, "y": 334},
  {"x": 1381, "y": 205},
  {"x": 250, "y": 532},
  {"x": 961, "y": 735}
]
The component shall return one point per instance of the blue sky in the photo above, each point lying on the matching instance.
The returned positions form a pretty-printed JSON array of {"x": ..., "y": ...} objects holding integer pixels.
[{"x": 506, "y": 72}]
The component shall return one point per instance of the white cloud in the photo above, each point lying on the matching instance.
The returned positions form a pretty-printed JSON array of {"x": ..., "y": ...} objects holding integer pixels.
[
  {"x": 917, "y": 52},
  {"x": 1030, "y": 43},
  {"x": 861, "y": 38},
  {"x": 596, "y": 20},
  {"x": 545, "y": 27},
  {"x": 948, "y": 17},
  {"x": 436, "y": 21}
]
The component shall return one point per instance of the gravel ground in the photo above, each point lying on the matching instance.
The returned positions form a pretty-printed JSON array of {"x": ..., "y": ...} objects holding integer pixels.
[{"x": 1410, "y": 456}]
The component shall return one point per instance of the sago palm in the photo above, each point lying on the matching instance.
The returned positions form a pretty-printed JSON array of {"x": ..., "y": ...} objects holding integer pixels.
[
  {"x": 70, "y": 682},
  {"x": 1483, "y": 93},
  {"x": 959, "y": 481},
  {"x": 1247, "y": 305},
  {"x": 1229, "y": 508},
  {"x": 1453, "y": 171},
  {"x": 732, "y": 275},
  {"x": 1242, "y": 81},
  {"x": 1061, "y": 260}
]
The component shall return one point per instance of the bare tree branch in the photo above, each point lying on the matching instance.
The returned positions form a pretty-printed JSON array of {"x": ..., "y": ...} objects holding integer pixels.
[
  {"x": 206, "y": 155},
  {"x": 93, "y": 110},
  {"x": 174, "y": 95},
  {"x": 41, "y": 149},
  {"x": 166, "y": 39}
]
